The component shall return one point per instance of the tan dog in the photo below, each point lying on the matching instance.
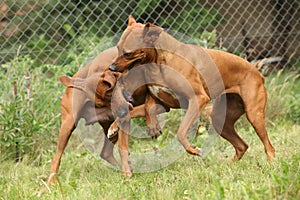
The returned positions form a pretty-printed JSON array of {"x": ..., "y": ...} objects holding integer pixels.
[
  {"x": 88, "y": 95},
  {"x": 195, "y": 76},
  {"x": 75, "y": 104}
]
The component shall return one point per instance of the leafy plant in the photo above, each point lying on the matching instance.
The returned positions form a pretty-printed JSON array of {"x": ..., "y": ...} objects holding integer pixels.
[
  {"x": 27, "y": 109},
  {"x": 208, "y": 40}
]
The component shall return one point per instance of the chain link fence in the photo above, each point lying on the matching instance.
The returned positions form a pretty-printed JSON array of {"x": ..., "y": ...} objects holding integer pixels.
[{"x": 49, "y": 31}]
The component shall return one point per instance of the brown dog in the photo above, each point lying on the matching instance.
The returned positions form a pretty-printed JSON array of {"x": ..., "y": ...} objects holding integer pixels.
[
  {"x": 75, "y": 104},
  {"x": 88, "y": 95},
  {"x": 195, "y": 76}
]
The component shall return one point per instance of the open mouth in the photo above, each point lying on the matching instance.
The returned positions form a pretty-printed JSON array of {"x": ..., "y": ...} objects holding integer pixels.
[
  {"x": 128, "y": 99},
  {"x": 130, "y": 106}
]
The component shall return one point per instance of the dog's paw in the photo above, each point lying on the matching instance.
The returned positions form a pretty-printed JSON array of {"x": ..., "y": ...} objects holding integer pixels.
[
  {"x": 195, "y": 150},
  {"x": 113, "y": 130},
  {"x": 200, "y": 151},
  {"x": 128, "y": 174},
  {"x": 154, "y": 130}
]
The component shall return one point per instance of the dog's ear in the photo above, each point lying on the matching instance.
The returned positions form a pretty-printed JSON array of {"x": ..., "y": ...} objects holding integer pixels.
[
  {"x": 73, "y": 82},
  {"x": 108, "y": 82},
  {"x": 131, "y": 20},
  {"x": 151, "y": 33},
  {"x": 106, "y": 85},
  {"x": 65, "y": 80}
]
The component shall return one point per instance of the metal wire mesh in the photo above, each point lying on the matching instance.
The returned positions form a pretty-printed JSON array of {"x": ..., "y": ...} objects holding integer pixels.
[{"x": 49, "y": 30}]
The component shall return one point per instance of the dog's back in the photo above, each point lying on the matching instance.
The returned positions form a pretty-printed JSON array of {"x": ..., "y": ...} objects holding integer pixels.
[{"x": 231, "y": 67}]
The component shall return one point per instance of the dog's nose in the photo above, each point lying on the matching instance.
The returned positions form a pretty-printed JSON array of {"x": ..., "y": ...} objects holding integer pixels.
[{"x": 113, "y": 67}]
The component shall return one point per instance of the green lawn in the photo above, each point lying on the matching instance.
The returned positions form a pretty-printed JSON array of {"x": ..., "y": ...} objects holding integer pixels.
[{"x": 82, "y": 176}]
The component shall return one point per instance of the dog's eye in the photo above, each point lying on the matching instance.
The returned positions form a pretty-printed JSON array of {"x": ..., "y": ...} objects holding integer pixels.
[{"x": 127, "y": 54}]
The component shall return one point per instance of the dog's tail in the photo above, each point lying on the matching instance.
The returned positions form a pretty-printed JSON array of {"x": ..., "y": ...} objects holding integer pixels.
[{"x": 264, "y": 64}]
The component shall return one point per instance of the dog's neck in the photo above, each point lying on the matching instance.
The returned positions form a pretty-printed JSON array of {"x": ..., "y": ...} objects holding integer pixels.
[{"x": 166, "y": 42}]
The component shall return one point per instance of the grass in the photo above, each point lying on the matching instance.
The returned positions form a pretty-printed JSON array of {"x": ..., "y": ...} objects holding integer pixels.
[{"x": 83, "y": 176}]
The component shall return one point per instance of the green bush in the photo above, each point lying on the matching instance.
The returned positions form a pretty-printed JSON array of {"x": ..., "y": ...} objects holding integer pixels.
[
  {"x": 30, "y": 117},
  {"x": 30, "y": 111}
]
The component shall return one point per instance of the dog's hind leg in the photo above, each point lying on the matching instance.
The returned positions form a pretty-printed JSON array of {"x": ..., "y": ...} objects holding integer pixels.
[
  {"x": 255, "y": 103},
  {"x": 69, "y": 111},
  {"x": 227, "y": 109},
  {"x": 65, "y": 132},
  {"x": 196, "y": 104}
]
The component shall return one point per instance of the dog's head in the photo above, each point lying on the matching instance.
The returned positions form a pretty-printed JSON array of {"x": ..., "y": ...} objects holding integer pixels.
[
  {"x": 136, "y": 45},
  {"x": 98, "y": 87}
]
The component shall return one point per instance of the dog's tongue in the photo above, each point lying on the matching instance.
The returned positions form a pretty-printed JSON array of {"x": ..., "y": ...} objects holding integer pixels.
[
  {"x": 130, "y": 106},
  {"x": 128, "y": 98}
]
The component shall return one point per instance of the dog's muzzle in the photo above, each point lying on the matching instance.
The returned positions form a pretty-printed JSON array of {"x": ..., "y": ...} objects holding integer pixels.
[
  {"x": 126, "y": 107},
  {"x": 122, "y": 112},
  {"x": 113, "y": 67}
]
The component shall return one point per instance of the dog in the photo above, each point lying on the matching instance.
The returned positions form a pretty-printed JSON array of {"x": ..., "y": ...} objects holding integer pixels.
[
  {"x": 88, "y": 95},
  {"x": 75, "y": 104},
  {"x": 193, "y": 76}
]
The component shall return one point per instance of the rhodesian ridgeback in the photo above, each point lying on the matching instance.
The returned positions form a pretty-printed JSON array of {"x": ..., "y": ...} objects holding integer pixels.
[
  {"x": 76, "y": 104},
  {"x": 195, "y": 76},
  {"x": 88, "y": 95}
]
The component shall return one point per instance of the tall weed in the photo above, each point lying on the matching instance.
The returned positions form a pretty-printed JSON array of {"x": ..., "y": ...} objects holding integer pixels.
[
  {"x": 283, "y": 97},
  {"x": 29, "y": 107}
]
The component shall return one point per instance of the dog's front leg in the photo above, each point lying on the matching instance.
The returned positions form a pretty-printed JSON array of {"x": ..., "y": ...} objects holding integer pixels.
[
  {"x": 196, "y": 104},
  {"x": 152, "y": 109},
  {"x": 108, "y": 147},
  {"x": 138, "y": 111},
  {"x": 123, "y": 137}
]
